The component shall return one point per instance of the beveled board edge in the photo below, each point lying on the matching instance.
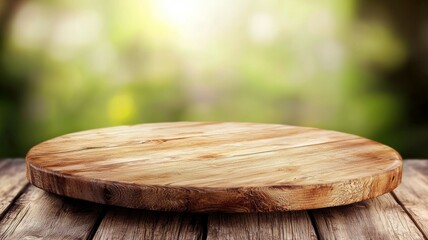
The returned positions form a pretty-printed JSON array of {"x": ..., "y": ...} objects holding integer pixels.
[{"x": 195, "y": 199}]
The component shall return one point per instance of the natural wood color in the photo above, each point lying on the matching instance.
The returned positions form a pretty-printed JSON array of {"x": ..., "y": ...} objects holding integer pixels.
[
  {"x": 121, "y": 223},
  {"x": 41, "y": 215},
  {"x": 379, "y": 218},
  {"x": 279, "y": 225},
  {"x": 231, "y": 167},
  {"x": 12, "y": 181},
  {"x": 37, "y": 214},
  {"x": 413, "y": 193}
]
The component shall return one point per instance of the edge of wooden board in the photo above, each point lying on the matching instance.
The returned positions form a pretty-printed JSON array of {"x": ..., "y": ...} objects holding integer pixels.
[{"x": 196, "y": 199}]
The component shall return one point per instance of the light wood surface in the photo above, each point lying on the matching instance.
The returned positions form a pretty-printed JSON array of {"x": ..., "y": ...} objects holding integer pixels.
[
  {"x": 280, "y": 225},
  {"x": 413, "y": 193},
  {"x": 38, "y": 215},
  {"x": 124, "y": 224},
  {"x": 379, "y": 218},
  {"x": 205, "y": 166},
  {"x": 12, "y": 182},
  {"x": 35, "y": 214}
]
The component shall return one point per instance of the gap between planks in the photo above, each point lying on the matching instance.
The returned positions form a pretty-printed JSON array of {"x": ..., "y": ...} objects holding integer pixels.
[
  {"x": 14, "y": 183},
  {"x": 409, "y": 214},
  {"x": 314, "y": 224},
  {"x": 97, "y": 223},
  {"x": 412, "y": 194},
  {"x": 12, "y": 203},
  {"x": 41, "y": 215},
  {"x": 378, "y": 218},
  {"x": 359, "y": 208}
]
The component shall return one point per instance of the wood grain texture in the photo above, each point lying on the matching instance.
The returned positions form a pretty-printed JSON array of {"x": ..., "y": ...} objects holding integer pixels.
[
  {"x": 379, "y": 218},
  {"x": 204, "y": 166},
  {"x": 12, "y": 181},
  {"x": 121, "y": 223},
  {"x": 279, "y": 225},
  {"x": 413, "y": 193},
  {"x": 41, "y": 215}
]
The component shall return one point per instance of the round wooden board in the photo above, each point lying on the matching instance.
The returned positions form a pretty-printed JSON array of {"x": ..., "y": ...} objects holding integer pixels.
[{"x": 210, "y": 166}]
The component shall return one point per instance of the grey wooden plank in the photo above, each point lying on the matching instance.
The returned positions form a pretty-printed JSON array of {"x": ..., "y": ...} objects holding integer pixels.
[
  {"x": 277, "y": 225},
  {"x": 122, "y": 223},
  {"x": 12, "y": 182},
  {"x": 412, "y": 194},
  {"x": 41, "y": 215},
  {"x": 378, "y": 218}
]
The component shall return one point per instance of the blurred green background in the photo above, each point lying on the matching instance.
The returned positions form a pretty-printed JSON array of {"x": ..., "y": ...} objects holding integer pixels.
[{"x": 354, "y": 66}]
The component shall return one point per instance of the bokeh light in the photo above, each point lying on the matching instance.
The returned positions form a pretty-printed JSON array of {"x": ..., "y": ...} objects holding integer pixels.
[{"x": 90, "y": 64}]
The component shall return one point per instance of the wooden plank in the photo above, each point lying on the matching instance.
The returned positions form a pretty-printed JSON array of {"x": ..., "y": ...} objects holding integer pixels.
[
  {"x": 413, "y": 192},
  {"x": 279, "y": 225},
  {"x": 12, "y": 181},
  {"x": 122, "y": 223},
  {"x": 205, "y": 167},
  {"x": 379, "y": 218},
  {"x": 41, "y": 215}
]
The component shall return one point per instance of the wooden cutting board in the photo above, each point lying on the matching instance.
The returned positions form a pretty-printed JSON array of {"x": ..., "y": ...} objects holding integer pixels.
[{"x": 210, "y": 166}]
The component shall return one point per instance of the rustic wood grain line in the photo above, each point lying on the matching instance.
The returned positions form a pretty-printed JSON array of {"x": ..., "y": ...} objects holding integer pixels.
[
  {"x": 122, "y": 223},
  {"x": 379, "y": 218},
  {"x": 279, "y": 225},
  {"x": 204, "y": 167},
  {"x": 41, "y": 215},
  {"x": 12, "y": 182},
  {"x": 153, "y": 133},
  {"x": 413, "y": 192}
]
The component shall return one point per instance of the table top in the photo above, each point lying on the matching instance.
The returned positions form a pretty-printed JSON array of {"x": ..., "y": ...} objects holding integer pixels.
[
  {"x": 215, "y": 166},
  {"x": 27, "y": 212}
]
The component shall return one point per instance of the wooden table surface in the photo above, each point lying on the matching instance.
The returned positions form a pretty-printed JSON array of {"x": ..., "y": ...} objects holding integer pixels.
[{"x": 27, "y": 212}]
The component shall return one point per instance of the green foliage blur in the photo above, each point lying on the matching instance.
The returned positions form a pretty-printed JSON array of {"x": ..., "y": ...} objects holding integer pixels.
[{"x": 74, "y": 65}]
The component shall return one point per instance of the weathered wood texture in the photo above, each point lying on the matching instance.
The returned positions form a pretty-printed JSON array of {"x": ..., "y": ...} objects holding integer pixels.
[
  {"x": 12, "y": 181},
  {"x": 203, "y": 167},
  {"x": 413, "y": 193},
  {"x": 379, "y": 218},
  {"x": 121, "y": 223},
  {"x": 281, "y": 225},
  {"x": 41, "y": 215}
]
